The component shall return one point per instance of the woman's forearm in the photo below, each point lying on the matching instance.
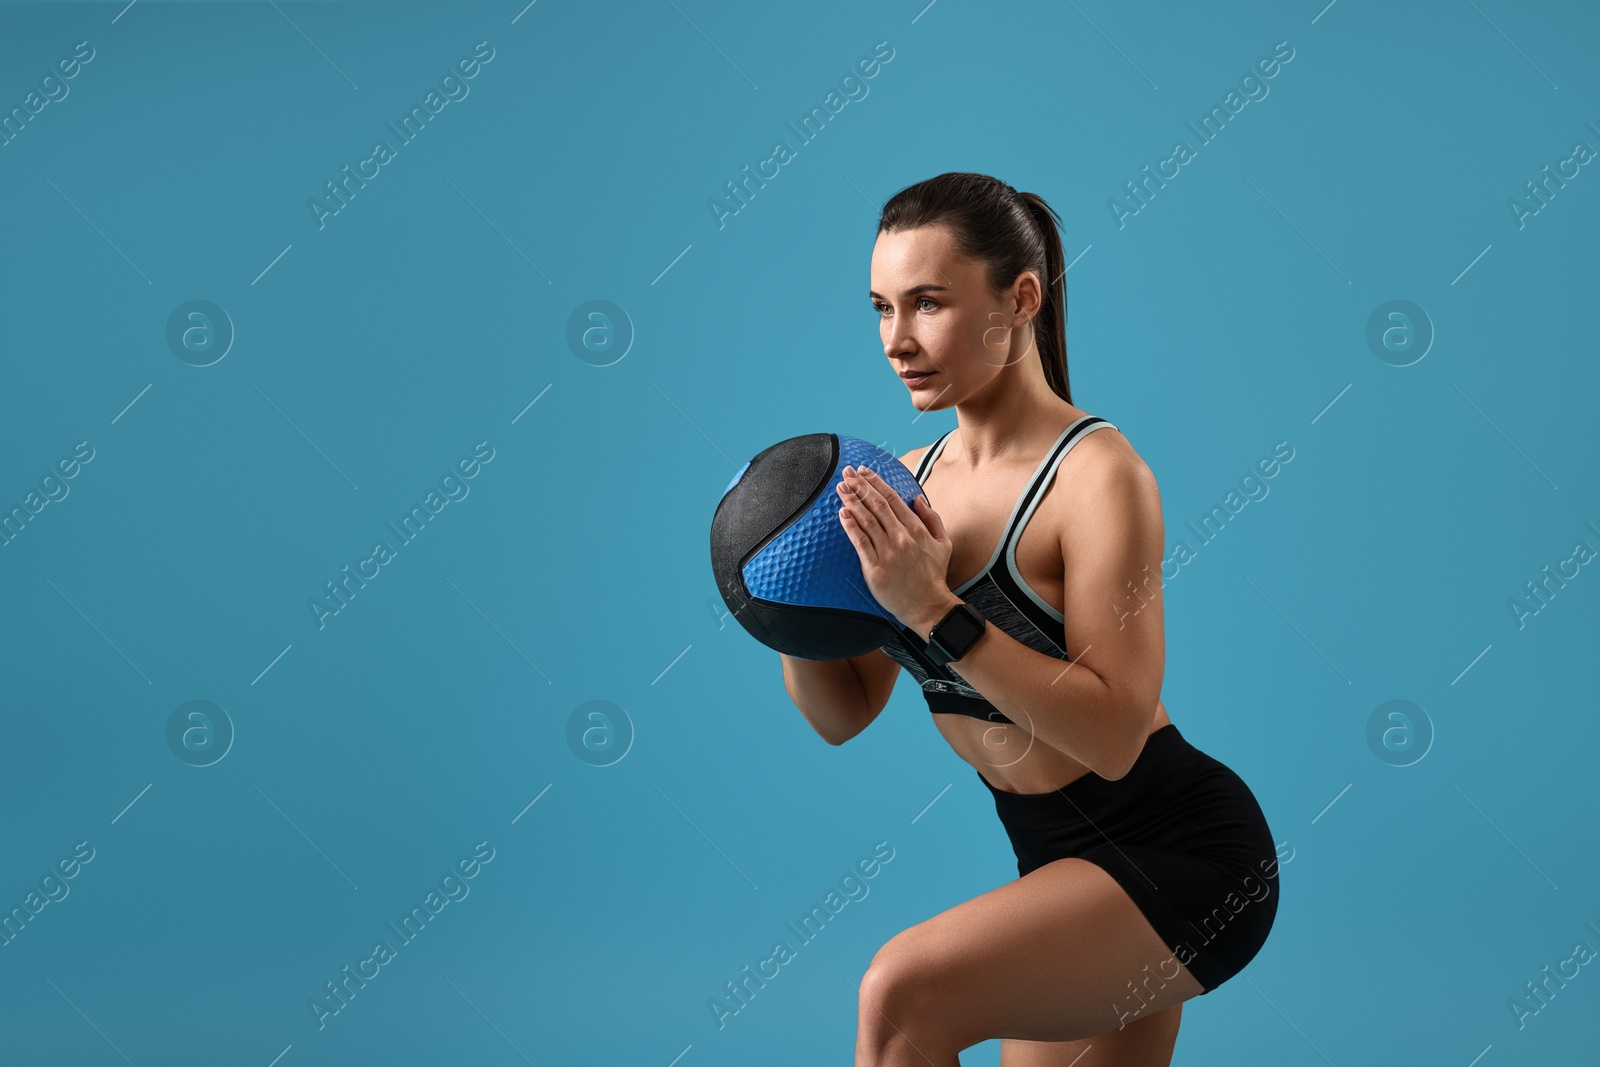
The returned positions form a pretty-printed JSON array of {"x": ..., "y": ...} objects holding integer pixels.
[{"x": 1066, "y": 705}]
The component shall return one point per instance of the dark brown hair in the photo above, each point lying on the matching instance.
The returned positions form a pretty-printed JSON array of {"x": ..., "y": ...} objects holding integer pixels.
[{"x": 1009, "y": 232}]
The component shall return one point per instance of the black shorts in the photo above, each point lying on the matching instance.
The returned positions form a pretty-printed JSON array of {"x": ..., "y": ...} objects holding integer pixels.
[{"x": 1184, "y": 837}]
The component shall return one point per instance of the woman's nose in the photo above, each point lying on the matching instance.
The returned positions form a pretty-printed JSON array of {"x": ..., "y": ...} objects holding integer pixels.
[{"x": 897, "y": 340}]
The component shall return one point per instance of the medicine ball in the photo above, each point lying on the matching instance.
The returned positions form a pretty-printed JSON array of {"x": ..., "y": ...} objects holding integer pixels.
[{"x": 783, "y": 561}]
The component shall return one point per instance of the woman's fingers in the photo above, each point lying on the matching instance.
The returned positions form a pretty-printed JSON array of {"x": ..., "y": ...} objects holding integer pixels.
[
  {"x": 858, "y": 512},
  {"x": 931, "y": 517},
  {"x": 882, "y": 499},
  {"x": 859, "y": 497},
  {"x": 858, "y": 536}
]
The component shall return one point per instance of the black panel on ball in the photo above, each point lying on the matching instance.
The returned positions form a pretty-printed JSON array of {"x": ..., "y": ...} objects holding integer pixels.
[{"x": 814, "y": 633}]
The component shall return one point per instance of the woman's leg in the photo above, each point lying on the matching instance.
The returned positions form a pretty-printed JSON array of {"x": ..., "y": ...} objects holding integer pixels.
[
  {"x": 1148, "y": 1041},
  {"x": 1059, "y": 955}
]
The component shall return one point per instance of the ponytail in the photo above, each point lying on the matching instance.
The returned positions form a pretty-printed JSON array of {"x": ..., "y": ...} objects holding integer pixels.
[{"x": 1050, "y": 325}]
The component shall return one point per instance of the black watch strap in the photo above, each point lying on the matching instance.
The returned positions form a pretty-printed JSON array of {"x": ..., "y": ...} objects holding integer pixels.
[{"x": 955, "y": 634}]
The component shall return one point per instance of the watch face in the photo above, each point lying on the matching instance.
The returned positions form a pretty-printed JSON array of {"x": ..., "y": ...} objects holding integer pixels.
[{"x": 961, "y": 630}]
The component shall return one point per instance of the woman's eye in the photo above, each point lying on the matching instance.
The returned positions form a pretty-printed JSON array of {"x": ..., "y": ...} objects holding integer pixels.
[{"x": 884, "y": 309}]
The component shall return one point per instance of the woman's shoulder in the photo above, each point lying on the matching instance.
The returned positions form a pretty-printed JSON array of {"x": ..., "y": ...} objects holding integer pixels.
[
  {"x": 1106, "y": 448},
  {"x": 1102, "y": 452},
  {"x": 911, "y": 459},
  {"x": 914, "y": 457},
  {"x": 1103, "y": 465}
]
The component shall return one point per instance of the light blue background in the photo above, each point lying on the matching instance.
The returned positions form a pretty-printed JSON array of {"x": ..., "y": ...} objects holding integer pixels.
[{"x": 371, "y": 754}]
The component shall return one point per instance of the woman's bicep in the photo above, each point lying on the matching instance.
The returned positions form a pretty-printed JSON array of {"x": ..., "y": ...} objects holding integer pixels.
[
  {"x": 877, "y": 672},
  {"x": 1111, "y": 550}
]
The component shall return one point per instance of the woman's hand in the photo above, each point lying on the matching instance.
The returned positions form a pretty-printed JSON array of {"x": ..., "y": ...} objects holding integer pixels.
[{"x": 905, "y": 551}]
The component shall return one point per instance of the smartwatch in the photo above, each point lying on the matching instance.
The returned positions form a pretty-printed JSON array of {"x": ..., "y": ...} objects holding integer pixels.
[{"x": 955, "y": 634}]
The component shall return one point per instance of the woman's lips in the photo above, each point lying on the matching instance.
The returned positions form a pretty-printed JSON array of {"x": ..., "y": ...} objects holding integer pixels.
[{"x": 916, "y": 380}]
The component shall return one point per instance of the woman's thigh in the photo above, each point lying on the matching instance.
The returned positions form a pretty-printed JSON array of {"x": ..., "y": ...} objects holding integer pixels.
[
  {"x": 1146, "y": 1042},
  {"x": 1060, "y": 954}
]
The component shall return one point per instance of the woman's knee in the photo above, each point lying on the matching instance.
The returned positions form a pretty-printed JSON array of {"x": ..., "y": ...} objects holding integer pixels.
[
  {"x": 904, "y": 994},
  {"x": 895, "y": 983}
]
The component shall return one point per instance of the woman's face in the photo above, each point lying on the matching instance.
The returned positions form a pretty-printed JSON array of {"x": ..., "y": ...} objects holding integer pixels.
[{"x": 938, "y": 316}]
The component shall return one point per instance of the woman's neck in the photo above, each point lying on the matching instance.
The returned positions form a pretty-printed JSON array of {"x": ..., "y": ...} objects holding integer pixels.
[{"x": 1003, "y": 425}]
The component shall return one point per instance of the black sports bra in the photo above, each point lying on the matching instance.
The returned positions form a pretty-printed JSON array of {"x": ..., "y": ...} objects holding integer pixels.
[{"x": 997, "y": 591}]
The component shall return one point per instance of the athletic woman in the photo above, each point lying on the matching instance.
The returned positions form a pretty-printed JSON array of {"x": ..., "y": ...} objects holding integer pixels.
[{"x": 1146, "y": 870}]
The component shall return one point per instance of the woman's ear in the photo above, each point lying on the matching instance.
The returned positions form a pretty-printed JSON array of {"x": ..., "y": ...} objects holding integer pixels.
[{"x": 1030, "y": 294}]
